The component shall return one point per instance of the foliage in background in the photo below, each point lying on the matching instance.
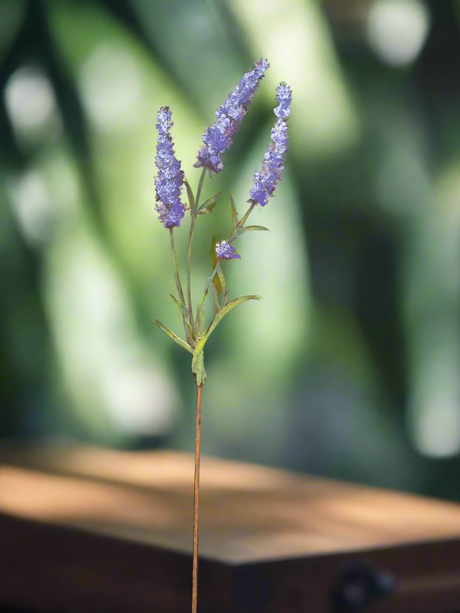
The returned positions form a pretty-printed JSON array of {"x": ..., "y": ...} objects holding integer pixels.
[{"x": 360, "y": 377}]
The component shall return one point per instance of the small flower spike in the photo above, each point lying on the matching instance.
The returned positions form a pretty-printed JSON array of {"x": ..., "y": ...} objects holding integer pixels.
[
  {"x": 170, "y": 178},
  {"x": 217, "y": 137},
  {"x": 226, "y": 252},
  {"x": 265, "y": 180}
]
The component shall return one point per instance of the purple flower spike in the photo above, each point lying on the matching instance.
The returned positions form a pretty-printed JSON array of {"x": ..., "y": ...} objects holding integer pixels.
[
  {"x": 217, "y": 137},
  {"x": 265, "y": 180},
  {"x": 226, "y": 252},
  {"x": 170, "y": 178}
]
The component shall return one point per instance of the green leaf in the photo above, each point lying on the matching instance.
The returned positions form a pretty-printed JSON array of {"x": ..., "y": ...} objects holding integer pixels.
[
  {"x": 183, "y": 309},
  {"x": 175, "y": 338},
  {"x": 253, "y": 229},
  {"x": 210, "y": 203},
  {"x": 181, "y": 306},
  {"x": 204, "y": 212},
  {"x": 200, "y": 320},
  {"x": 226, "y": 309},
  {"x": 191, "y": 197},
  {"x": 216, "y": 297},
  {"x": 234, "y": 214},
  {"x": 220, "y": 276},
  {"x": 198, "y": 369},
  {"x": 214, "y": 259}
]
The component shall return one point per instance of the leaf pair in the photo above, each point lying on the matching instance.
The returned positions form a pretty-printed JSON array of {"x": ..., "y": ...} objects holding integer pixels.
[
  {"x": 237, "y": 229},
  {"x": 183, "y": 309},
  {"x": 206, "y": 207},
  {"x": 198, "y": 369},
  {"x": 175, "y": 338},
  {"x": 198, "y": 353},
  {"x": 209, "y": 205}
]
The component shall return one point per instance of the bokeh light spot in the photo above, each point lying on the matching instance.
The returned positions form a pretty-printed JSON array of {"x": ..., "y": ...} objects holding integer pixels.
[{"x": 397, "y": 30}]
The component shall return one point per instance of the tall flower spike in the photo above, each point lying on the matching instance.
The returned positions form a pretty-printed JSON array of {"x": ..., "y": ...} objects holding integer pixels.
[
  {"x": 217, "y": 137},
  {"x": 170, "y": 178},
  {"x": 265, "y": 180}
]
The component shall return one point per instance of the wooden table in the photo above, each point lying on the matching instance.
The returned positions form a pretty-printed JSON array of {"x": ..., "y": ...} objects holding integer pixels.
[{"x": 89, "y": 530}]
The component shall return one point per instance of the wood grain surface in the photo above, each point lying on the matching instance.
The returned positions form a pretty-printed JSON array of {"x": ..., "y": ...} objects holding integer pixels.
[
  {"x": 94, "y": 530},
  {"x": 248, "y": 512}
]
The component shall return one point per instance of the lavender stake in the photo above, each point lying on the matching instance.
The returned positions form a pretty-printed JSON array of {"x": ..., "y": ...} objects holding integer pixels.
[{"x": 169, "y": 183}]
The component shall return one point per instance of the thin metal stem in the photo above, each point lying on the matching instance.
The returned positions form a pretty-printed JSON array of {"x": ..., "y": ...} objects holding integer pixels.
[{"x": 196, "y": 499}]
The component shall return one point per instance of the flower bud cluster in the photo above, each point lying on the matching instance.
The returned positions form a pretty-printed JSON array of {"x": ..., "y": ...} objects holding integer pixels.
[
  {"x": 170, "y": 178},
  {"x": 265, "y": 180},
  {"x": 225, "y": 251},
  {"x": 217, "y": 137}
]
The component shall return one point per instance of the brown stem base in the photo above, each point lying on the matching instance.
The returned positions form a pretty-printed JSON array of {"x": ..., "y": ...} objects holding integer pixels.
[{"x": 196, "y": 500}]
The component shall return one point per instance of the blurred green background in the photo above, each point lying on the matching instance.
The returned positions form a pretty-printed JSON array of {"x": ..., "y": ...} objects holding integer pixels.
[{"x": 350, "y": 365}]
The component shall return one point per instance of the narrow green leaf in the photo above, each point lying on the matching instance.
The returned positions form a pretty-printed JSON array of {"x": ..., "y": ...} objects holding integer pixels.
[
  {"x": 200, "y": 320},
  {"x": 198, "y": 368},
  {"x": 234, "y": 213},
  {"x": 183, "y": 309},
  {"x": 204, "y": 212},
  {"x": 226, "y": 309},
  {"x": 221, "y": 278},
  {"x": 254, "y": 229},
  {"x": 191, "y": 197},
  {"x": 216, "y": 297},
  {"x": 181, "y": 306},
  {"x": 210, "y": 203},
  {"x": 214, "y": 258},
  {"x": 174, "y": 337}
]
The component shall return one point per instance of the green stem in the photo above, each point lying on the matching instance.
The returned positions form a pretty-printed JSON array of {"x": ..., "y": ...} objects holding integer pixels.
[
  {"x": 232, "y": 238},
  {"x": 190, "y": 245},
  {"x": 187, "y": 327},
  {"x": 246, "y": 215},
  {"x": 241, "y": 223},
  {"x": 208, "y": 282},
  {"x": 198, "y": 191},
  {"x": 176, "y": 268}
]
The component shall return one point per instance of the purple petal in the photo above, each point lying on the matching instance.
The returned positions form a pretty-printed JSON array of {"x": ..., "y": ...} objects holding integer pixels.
[
  {"x": 170, "y": 178},
  {"x": 265, "y": 180},
  {"x": 225, "y": 251},
  {"x": 217, "y": 137}
]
